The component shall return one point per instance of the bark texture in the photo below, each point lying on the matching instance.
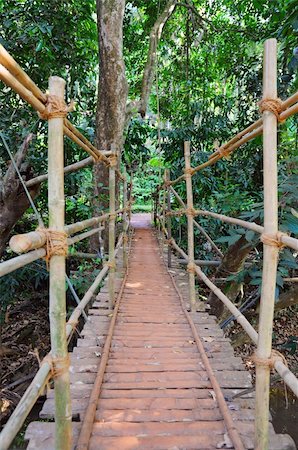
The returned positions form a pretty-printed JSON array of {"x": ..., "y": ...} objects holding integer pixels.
[
  {"x": 112, "y": 95},
  {"x": 232, "y": 262},
  {"x": 13, "y": 199}
]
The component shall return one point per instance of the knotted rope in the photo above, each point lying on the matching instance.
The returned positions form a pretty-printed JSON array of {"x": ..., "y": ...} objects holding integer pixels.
[
  {"x": 169, "y": 241},
  {"x": 110, "y": 264},
  {"x": 191, "y": 268},
  {"x": 269, "y": 362},
  {"x": 113, "y": 160},
  {"x": 273, "y": 105},
  {"x": 55, "y": 107},
  {"x": 59, "y": 365},
  {"x": 189, "y": 171},
  {"x": 190, "y": 212},
  {"x": 56, "y": 243},
  {"x": 273, "y": 239}
]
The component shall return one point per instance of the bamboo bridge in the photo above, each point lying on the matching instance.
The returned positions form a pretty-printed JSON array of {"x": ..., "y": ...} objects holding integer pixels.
[{"x": 151, "y": 369}]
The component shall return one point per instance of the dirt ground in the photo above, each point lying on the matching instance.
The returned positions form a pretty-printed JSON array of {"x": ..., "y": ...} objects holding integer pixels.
[{"x": 25, "y": 340}]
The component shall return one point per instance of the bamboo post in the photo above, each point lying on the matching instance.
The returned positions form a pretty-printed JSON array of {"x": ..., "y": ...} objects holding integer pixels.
[
  {"x": 270, "y": 257},
  {"x": 163, "y": 211},
  {"x": 63, "y": 416},
  {"x": 190, "y": 230},
  {"x": 112, "y": 200},
  {"x": 125, "y": 222},
  {"x": 169, "y": 220}
]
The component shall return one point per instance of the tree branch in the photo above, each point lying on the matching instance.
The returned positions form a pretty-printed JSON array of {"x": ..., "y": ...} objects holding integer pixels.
[{"x": 148, "y": 75}]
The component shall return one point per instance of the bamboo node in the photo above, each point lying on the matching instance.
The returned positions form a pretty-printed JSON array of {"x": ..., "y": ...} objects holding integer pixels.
[
  {"x": 269, "y": 362},
  {"x": 191, "y": 268},
  {"x": 273, "y": 239},
  {"x": 273, "y": 105},
  {"x": 55, "y": 107},
  {"x": 56, "y": 243}
]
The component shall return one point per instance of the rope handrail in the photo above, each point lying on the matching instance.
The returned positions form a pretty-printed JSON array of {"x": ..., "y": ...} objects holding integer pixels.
[
  {"x": 288, "y": 108},
  {"x": 283, "y": 238},
  {"x": 44, "y": 373},
  {"x": 289, "y": 378},
  {"x": 15, "y": 77}
]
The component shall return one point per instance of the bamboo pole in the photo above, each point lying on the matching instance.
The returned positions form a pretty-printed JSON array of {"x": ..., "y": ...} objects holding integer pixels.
[
  {"x": 270, "y": 255},
  {"x": 198, "y": 226},
  {"x": 20, "y": 261},
  {"x": 125, "y": 223},
  {"x": 112, "y": 200},
  {"x": 190, "y": 230},
  {"x": 68, "y": 169},
  {"x": 63, "y": 416},
  {"x": 163, "y": 208},
  {"x": 21, "y": 243},
  {"x": 284, "y": 238},
  {"x": 42, "y": 376},
  {"x": 81, "y": 237},
  {"x": 169, "y": 221}
]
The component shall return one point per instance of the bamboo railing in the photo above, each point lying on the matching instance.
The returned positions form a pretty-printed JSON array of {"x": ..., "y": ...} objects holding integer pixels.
[
  {"x": 264, "y": 358},
  {"x": 52, "y": 244}
]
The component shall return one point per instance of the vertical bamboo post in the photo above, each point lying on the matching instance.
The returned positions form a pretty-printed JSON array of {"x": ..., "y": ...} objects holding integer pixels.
[
  {"x": 270, "y": 257},
  {"x": 169, "y": 220},
  {"x": 163, "y": 212},
  {"x": 190, "y": 228},
  {"x": 63, "y": 414},
  {"x": 125, "y": 221},
  {"x": 112, "y": 219}
]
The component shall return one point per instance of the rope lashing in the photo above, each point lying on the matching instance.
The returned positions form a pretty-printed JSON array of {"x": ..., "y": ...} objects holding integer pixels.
[
  {"x": 110, "y": 264},
  {"x": 189, "y": 171},
  {"x": 190, "y": 212},
  {"x": 169, "y": 241},
  {"x": 269, "y": 362},
  {"x": 273, "y": 239},
  {"x": 56, "y": 243},
  {"x": 112, "y": 216},
  {"x": 224, "y": 152},
  {"x": 273, "y": 105},
  {"x": 58, "y": 365},
  {"x": 113, "y": 160},
  {"x": 55, "y": 107},
  {"x": 191, "y": 268}
]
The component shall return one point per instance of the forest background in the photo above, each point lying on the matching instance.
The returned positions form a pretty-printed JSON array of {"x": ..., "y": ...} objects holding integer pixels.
[{"x": 193, "y": 71}]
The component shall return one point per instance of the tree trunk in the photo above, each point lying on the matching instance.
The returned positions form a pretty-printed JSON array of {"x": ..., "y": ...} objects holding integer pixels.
[
  {"x": 112, "y": 95},
  {"x": 232, "y": 262},
  {"x": 13, "y": 199}
]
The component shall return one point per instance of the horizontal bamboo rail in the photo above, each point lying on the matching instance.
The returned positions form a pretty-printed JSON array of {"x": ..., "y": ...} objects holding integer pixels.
[
  {"x": 285, "y": 239},
  {"x": 288, "y": 377},
  {"x": 20, "y": 261},
  {"x": 22, "y": 243},
  {"x": 13, "y": 264},
  {"x": 43, "y": 375},
  {"x": 289, "y": 107},
  {"x": 198, "y": 226},
  {"x": 81, "y": 237},
  {"x": 68, "y": 169},
  {"x": 15, "y": 77}
]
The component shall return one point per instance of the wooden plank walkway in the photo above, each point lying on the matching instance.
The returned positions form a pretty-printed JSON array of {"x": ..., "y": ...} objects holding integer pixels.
[{"x": 156, "y": 393}]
